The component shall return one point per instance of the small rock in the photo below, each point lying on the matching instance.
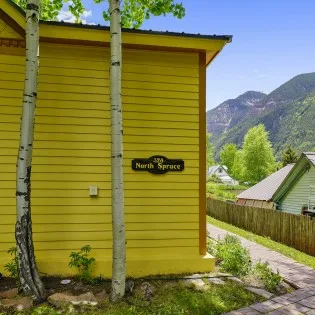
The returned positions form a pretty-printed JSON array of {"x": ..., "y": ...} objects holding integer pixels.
[
  {"x": 101, "y": 296},
  {"x": 66, "y": 281},
  {"x": 130, "y": 285},
  {"x": 236, "y": 280},
  {"x": 18, "y": 303},
  {"x": 59, "y": 299},
  {"x": 9, "y": 294},
  {"x": 145, "y": 291},
  {"x": 196, "y": 281},
  {"x": 261, "y": 292},
  {"x": 216, "y": 281}
]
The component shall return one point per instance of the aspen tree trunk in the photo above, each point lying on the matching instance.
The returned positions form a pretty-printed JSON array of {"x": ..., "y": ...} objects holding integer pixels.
[
  {"x": 29, "y": 277},
  {"x": 119, "y": 238}
]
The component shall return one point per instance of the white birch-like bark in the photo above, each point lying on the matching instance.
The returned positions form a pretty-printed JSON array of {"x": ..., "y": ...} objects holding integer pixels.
[
  {"x": 119, "y": 238},
  {"x": 28, "y": 273}
]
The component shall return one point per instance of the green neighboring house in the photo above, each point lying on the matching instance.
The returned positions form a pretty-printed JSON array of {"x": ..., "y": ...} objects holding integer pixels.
[{"x": 297, "y": 190}]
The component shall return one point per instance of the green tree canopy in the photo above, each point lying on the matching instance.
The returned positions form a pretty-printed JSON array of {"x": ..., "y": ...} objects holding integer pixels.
[
  {"x": 227, "y": 156},
  {"x": 51, "y": 8},
  {"x": 258, "y": 156},
  {"x": 209, "y": 151},
  {"x": 237, "y": 170},
  {"x": 134, "y": 12},
  {"x": 289, "y": 156}
]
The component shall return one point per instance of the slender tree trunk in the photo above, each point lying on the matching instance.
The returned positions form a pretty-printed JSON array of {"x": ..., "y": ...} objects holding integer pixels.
[
  {"x": 119, "y": 238},
  {"x": 29, "y": 277}
]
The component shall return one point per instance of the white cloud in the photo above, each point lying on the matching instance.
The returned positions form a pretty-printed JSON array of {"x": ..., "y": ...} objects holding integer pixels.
[{"x": 67, "y": 16}]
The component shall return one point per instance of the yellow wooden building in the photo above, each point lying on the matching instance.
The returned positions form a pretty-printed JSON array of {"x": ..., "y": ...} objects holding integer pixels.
[{"x": 164, "y": 95}]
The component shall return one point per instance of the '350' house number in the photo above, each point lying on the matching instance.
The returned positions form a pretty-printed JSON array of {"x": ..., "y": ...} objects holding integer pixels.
[{"x": 158, "y": 164}]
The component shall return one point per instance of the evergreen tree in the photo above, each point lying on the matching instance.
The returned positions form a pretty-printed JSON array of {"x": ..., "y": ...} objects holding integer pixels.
[
  {"x": 258, "y": 156},
  {"x": 289, "y": 156}
]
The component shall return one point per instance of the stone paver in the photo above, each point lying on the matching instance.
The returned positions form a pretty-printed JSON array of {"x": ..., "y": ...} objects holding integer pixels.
[{"x": 301, "y": 301}]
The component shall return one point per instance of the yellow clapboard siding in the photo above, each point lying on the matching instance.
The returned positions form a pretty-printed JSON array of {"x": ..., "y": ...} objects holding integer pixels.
[
  {"x": 12, "y": 68},
  {"x": 9, "y": 135},
  {"x": 96, "y": 85},
  {"x": 130, "y": 55},
  {"x": 190, "y": 60},
  {"x": 187, "y": 176},
  {"x": 92, "y": 209},
  {"x": 101, "y": 254},
  {"x": 69, "y": 137},
  {"x": 46, "y": 160},
  {"x": 108, "y": 227},
  {"x": 16, "y": 60},
  {"x": 80, "y": 185},
  {"x": 67, "y": 72},
  {"x": 73, "y": 121},
  {"x": 102, "y": 193},
  {"x": 53, "y": 128},
  {"x": 132, "y": 66},
  {"x": 171, "y": 155},
  {"x": 128, "y": 80},
  {"x": 61, "y": 145},
  {"x": 172, "y": 78},
  {"x": 64, "y": 112},
  {"x": 74, "y": 245},
  {"x": 162, "y": 124},
  {"x": 104, "y": 218},
  {"x": 144, "y": 201},
  {"x": 107, "y": 235}
]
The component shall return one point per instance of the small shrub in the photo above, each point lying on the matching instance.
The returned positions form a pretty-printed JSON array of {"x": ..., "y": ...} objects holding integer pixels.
[
  {"x": 211, "y": 246},
  {"x": 270, "y": 279},
  {"x": 12, "y": 268},
  {"x": 83, "y": 262},
  {"x": 232, "y": 256}
]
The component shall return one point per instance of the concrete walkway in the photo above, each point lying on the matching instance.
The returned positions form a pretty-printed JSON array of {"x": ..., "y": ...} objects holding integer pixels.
[{"x": 301, "y": 301}]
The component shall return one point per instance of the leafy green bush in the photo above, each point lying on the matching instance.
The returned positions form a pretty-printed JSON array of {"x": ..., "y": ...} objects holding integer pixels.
[
  {"x": 83, "y": 262},
  {"x": 270, "y": 279},
  {"x": 12, "y": 267},
  {"x": 232, "y": 256}
]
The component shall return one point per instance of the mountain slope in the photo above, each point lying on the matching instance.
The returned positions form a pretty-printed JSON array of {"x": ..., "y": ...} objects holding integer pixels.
[
  {"x": 232, "y": 112},
  {"x": 288, "y": 114}
]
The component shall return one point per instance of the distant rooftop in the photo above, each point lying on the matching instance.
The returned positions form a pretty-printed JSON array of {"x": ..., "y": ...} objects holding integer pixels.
[{"x": 265, "y": 189}]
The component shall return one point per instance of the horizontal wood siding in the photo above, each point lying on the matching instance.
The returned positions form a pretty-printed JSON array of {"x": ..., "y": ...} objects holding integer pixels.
[
  {"x": 72, "y": 151},
  {"x": 297, "y": 196}
]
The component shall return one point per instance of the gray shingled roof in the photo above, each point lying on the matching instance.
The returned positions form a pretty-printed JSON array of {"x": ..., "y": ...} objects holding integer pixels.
[{"x": 265, "y": 189}]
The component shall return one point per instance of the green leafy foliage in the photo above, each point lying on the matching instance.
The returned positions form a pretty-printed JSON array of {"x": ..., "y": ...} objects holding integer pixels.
[
  {"x": 232, "y": 256},
  {"x": 209, "y": 151},
  {"x": 50, "y": 8},
  {"x": 270, "y": 279},
  {"x": 257, "y": 153},
  {"x": 135, "y": 12},
  {"x": 83, "y": 263},
  {"x": 238, "y": 166},
  {"x": 12, "y": 268},
  {"x": 289, "y": 156},
  {"x": 227, "y": 156}
]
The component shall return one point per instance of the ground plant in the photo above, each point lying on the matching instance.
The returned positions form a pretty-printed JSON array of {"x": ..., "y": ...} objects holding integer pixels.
[
  {"x": 232, "y": 256},
  {"x": 83, "y": 263},
  {"x": 12, "y": 267},
  {"x": 270, "y": 279}
]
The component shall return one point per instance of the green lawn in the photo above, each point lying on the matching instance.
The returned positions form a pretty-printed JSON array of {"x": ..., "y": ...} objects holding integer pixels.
[
  {"x": 173, "y": 299},
  {"x": 267, "y": 242}
]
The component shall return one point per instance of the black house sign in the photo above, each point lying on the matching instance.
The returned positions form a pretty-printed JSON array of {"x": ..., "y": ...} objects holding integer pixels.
[{"x": 158, "y": 164}]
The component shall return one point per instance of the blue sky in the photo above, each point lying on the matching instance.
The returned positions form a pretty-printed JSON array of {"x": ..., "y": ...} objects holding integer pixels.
[{"x": 273, "y": 40}]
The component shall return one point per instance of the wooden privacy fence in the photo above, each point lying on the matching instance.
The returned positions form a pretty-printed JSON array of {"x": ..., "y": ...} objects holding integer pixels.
[{"x": 293, "y": 230}]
